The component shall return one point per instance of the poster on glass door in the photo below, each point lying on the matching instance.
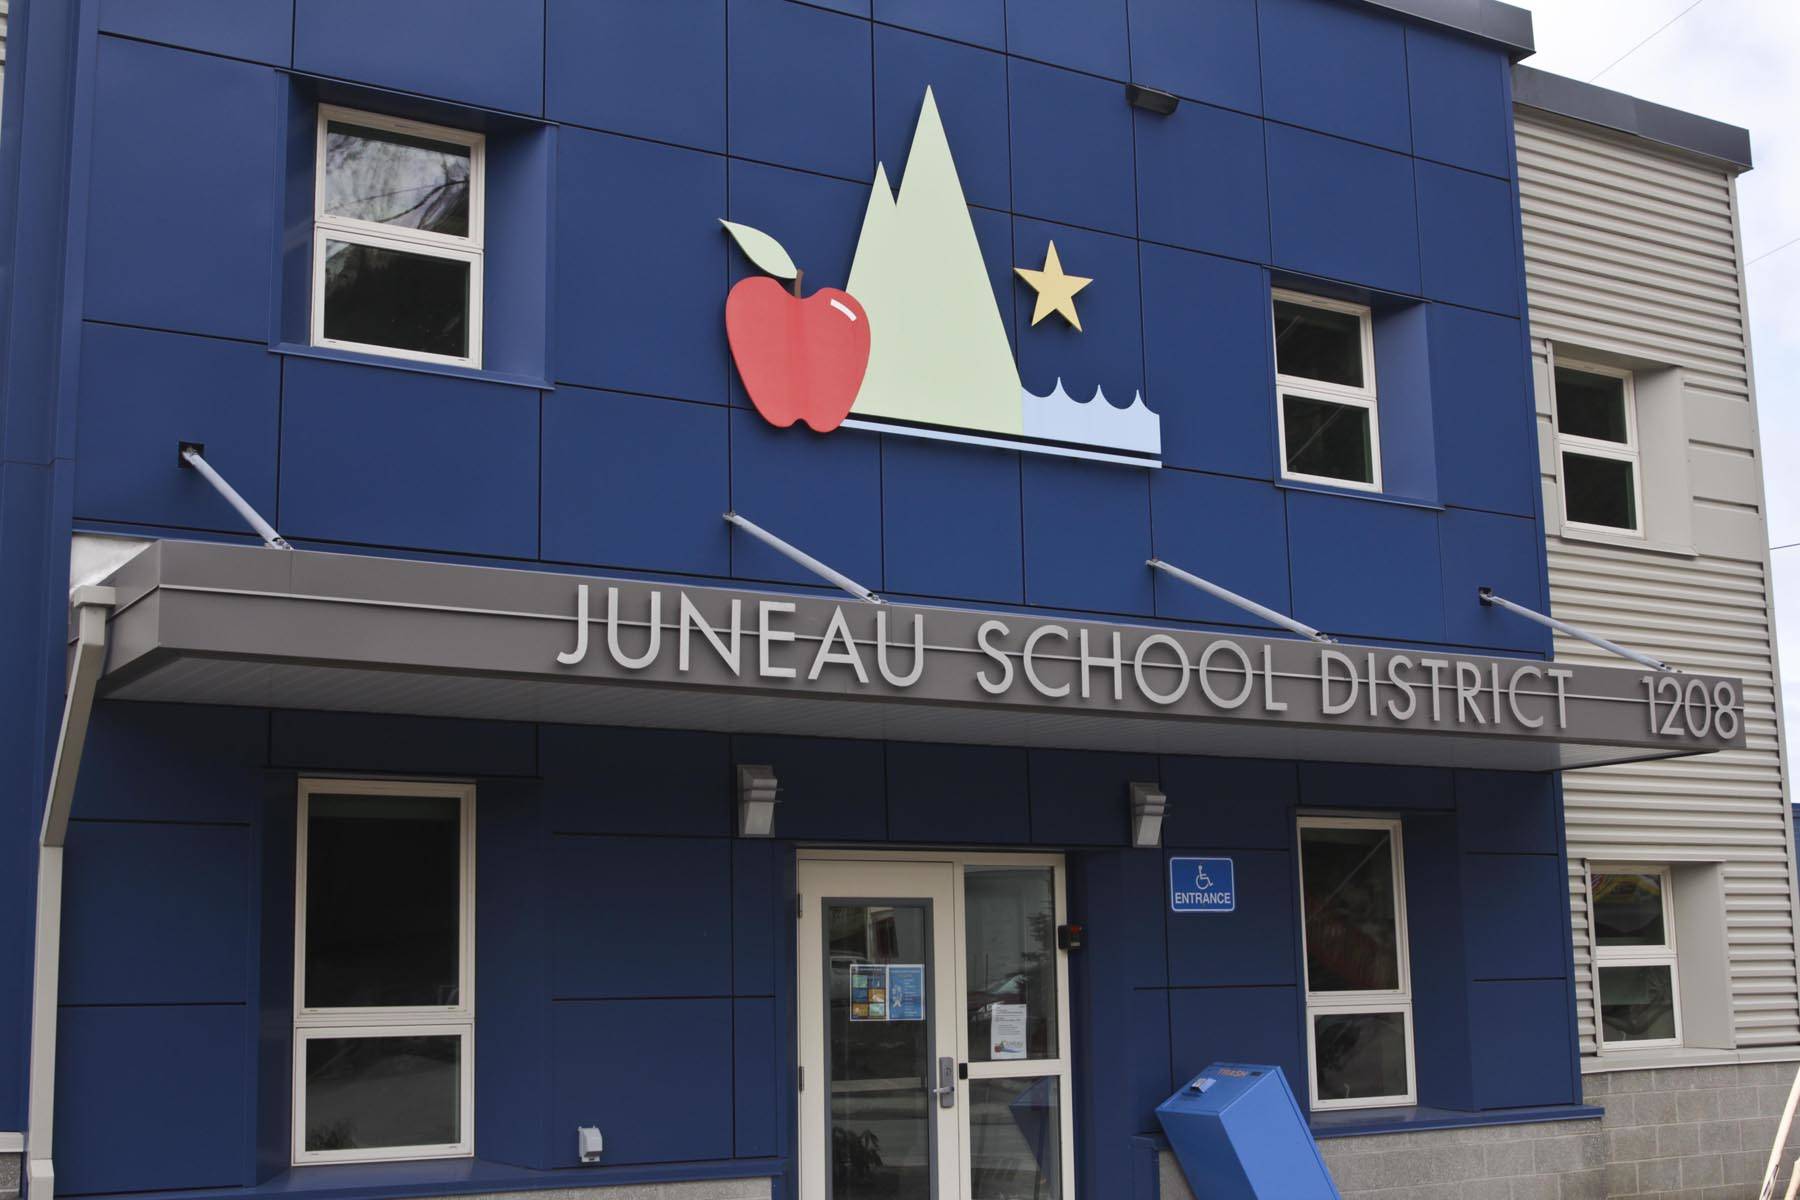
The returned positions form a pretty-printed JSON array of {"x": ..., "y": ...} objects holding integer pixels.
[{"x": 887, "y": 991}]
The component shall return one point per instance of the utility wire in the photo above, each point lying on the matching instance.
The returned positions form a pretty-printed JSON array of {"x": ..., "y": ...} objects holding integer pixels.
[
  {"x": 1785, "y": 546},
  {"x": 1777, "y": 250},
  {"x": 1615, "y": 62}
]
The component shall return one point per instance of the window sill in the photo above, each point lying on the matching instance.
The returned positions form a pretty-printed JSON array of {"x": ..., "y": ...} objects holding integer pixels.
[
  {"x": 1295, "y": 485},
  {"x": 295, "y": 350},
  {"x": 1363, "y": 1122},
  {"x": 1682, "y": 1056},
  {"x": 1623, "y": 541}
]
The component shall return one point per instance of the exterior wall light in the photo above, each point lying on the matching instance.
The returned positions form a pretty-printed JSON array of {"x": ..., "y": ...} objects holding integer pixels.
[
  {"x": 756, "y": 800},
  {"x": 1148, "y": 804},
  {"x": 1151, "y": 100}
]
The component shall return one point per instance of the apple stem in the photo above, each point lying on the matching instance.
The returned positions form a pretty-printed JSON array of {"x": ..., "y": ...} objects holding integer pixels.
[{"x": 798, "y": 276}]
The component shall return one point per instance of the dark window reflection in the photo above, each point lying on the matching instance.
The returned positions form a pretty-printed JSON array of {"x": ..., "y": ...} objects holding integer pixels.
[
  {"x": 1628, "y": 910},
  {"x": 1599, "y": 491},
  {"x": 396, "y": 179},
  {"x": 1347, "y": 884},
  {"x": 1011, "y": 938},
  {"x": 1590, "y": 405},
  {"x": 376, "y": 296},
  {"x": 371, "y": 1092},
  {"x": 1361, "y": 1056},
  {"x": 1331, "y": 441},
  {"x": 1637, "y": 1004},
  {"x": 383, "y": 901},
  {"x": 1317, "y": 343},
  {"x": 1015, "y": 1139}
]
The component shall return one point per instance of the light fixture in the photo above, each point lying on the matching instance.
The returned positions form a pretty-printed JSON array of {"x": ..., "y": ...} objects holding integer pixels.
[
  {"x": 589, "y": 1145},
  {"x": 1148, "y": 804},
  {"x": 756, "y": 800},
  {"x": 1151, "y": 100}
]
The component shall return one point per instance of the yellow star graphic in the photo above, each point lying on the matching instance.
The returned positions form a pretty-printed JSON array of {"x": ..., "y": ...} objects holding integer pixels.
[{"x": 1055, "y": 290}]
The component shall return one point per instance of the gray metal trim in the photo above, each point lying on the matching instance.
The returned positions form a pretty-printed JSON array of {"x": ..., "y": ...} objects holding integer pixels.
[
  {"x": 1504, "y": 24},
  {"x": 1727, "y": 145}
]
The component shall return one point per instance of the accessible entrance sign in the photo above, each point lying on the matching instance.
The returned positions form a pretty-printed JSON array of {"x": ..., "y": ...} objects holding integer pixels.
[{"x": 1202, "y": 885}]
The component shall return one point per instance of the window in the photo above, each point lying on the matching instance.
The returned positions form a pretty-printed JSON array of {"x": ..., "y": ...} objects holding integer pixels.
[
  {"x": 1596, "y": 438},
  {"x": 397, "y": 238},
  {"x": 1358, "y": 984},
  {"x": 384, "y": 1008},
  {"x": 1634, "y": 957},
  {"x": 1325, "y": 387}
]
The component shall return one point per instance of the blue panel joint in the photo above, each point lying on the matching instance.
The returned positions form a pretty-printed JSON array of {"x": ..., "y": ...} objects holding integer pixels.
[{"x": 1239, "y": 1135}]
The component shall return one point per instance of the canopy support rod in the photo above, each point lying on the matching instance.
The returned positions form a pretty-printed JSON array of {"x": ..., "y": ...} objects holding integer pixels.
[
  {"x": 792, "y": 552},
  {"x": 1244, "y": 602},
  {"x": 92, "y": 606},
  {"x": 190, "y": 457},
  {"x": 1488, "y": 598}
]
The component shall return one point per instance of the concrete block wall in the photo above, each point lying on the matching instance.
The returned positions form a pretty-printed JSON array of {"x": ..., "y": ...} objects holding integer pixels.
[
  {"x": 1700, "y": 1132},
  {"x": 10, "y": 1166},
  {"x": 1560, "y": 1160}
]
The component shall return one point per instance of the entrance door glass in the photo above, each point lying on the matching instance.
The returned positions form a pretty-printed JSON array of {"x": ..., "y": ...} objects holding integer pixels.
[{"x": 879, "y": 1057}]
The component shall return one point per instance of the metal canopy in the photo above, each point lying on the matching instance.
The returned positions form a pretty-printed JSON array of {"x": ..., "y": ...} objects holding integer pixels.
[{"x": 217, "y": 624}]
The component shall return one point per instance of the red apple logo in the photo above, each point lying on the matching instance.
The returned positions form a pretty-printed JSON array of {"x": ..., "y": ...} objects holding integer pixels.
[{"x": 801, "y": 358}]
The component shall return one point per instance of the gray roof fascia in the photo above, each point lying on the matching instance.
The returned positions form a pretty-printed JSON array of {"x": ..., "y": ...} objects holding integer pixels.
[
  {"x": 1489, "y": 20},
  {"x": 1727, "y": 145}
]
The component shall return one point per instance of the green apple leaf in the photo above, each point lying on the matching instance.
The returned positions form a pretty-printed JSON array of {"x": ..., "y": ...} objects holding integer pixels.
[{"x": 762, "y": 250}]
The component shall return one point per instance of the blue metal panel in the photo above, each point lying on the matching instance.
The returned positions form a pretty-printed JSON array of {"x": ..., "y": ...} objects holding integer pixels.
[
  {"x": 334, "y": 741},
  {"x": 647, "y": 781},
  {"x": 1107, "y": 353},
  {"x": 641, "y": 278},
  {"x": 485, "y": 52},
  {"x": 1525, "y": 1054},
  {"x": 649, "y": 70},
  {"x": 823, "y": 494},
  {"x": 136, "y": 931},
  {"x": 1439, "y": 958},
  {"x": 1337, "y": 68},
  {"x": 1261, "y": 1024},
  {"x": 830, "y": 789},
  {"x": 175, "y": 1118},
  {"x": 182, "y": 157},
  {"x": 1507, "y": 812},
  {"x": 512, "y": 955},
  {"x": 1513, "y": 905},
  {"x": 815, "y": 218},
  {"x": 400, "y": 458},
  {"x": 520, "y": 260},
  {"x": 930, "y": 487},
  {"x": 141, "y": 393},
  {"x": 609, "y": 461},
  {"x": 1372, "y": 785},
  {"x": 1088, "y": 35},
  {"x": 1211, "y": 379},
  {"x": 1408, "y": 413},
  {"x": 802, "y": 93},
  {"x": 1087, "y": 536},
  {"x": 1202, "y": 182},
  {"x": 980, "y": 22},
  {"x": 1342, "y": 210},
  {"x": 969, "y": 85},
  {"x": 1150, "y": 1076},
  {"x": 1255, "y": 944},
  {"x": 994, "y": 231},
  {"x": 1459, "y": 110},
  {"x": 958, "y": 794},
  {"x": 172, "y": 762},
  {"x": 1467, "y": 240},
  {"x": 1230, "y": 531},
  {"x": 1081, "y": 797},
  {"x": 1487, "y": 428},
  {"x": 856, "y": 8},
  {"x": 651, "y": 1074},
  {"x": 1229, "y": 803},
  {"x": 1071, "y": 148},
  {"x": 1365, "y": 568},
  {"x": 1488, "y": 550},
  {"x": 756, "y": 1078},
  {"x": 1206, "y": 52},
  {"x": 761, "y": 908},
  {"x": 634, "y": 916},
  {"x": 259, "y": 30}
]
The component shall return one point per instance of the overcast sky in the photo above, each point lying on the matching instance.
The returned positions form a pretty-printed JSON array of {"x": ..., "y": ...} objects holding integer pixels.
[{"x": 1737, "y": 61}]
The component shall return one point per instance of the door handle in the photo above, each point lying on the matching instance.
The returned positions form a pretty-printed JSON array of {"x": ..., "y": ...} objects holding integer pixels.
[{"x": 945, "y": 1091}]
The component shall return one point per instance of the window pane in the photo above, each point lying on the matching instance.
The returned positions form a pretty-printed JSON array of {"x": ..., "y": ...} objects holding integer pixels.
[
  {"x": 1328, "y": 440},
  {"x": 381, "y": 297},
  {"x": 396, "y": 179},
  {"x": 1317, "y": 343},
  {"x": 383, "y": 901},
  {"x": 1011, "y": 938},
  {"x": 1628, "y": 910},
  {"x": 1347, "y": 883},
  {"x": 1015, "y": 1139},
  {"x": 1637, "y": 1004},
  {"x": 1589, "y": 405},
  {"x": 368, "y": 1092},
  {"x": 1599, "y": 491},
  {"x": 1360, "y": 1056}
]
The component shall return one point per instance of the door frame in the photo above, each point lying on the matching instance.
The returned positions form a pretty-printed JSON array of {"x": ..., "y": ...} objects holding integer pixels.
[{"x": 954, "y": 1024}]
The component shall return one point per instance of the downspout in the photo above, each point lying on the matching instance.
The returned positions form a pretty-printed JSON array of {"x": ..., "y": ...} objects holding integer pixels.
[{"x": 92, "y": 607}]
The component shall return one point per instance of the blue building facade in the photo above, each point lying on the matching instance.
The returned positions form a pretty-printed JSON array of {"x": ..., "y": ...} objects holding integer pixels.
[{"x": 634, "y": 953}]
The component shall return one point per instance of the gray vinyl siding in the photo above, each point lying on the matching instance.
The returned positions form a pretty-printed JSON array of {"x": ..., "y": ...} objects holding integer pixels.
[{"x": 1632, "y": 256}]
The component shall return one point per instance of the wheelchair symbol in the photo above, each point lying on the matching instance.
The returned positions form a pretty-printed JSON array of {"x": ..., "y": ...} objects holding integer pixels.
[{"x": 1202, "y": 881}]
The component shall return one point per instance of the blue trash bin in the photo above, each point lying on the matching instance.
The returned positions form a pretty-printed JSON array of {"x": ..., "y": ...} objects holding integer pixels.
[{"x": 1239, "y": 1134}]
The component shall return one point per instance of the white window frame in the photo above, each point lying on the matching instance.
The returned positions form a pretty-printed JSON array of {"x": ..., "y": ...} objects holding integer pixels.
[
  {"x": 1627, "y": 451},
  {"x": 1331, "y": 393},
  {"x": 408, "y": 1021},
  {"x": 1394, "y": 1000},
  {"x": 469, "y": 249},
  {"x": 1664, "y": 955}
]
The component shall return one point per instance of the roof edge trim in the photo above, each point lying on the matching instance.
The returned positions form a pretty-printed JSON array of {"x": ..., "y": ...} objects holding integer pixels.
[
  {"x": 1490, "y": 20},
  {"x": 1727, "y": 145}
]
